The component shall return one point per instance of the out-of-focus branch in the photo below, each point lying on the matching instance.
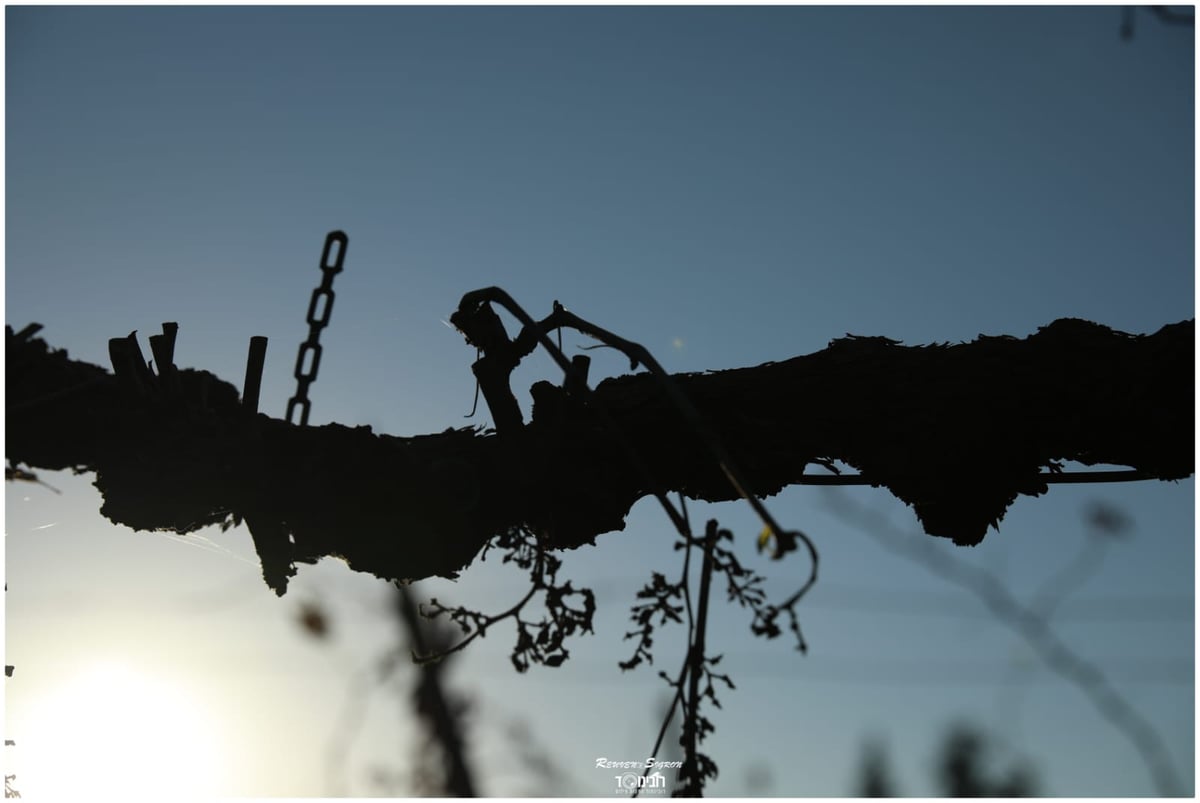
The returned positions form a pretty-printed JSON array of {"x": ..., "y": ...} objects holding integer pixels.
[
  {"x": 1167, "y": 15},
  {"x": 1032, "y": 627},
  {"x": 1104, "y": 524},
  {"x": 440, "y": 710}
]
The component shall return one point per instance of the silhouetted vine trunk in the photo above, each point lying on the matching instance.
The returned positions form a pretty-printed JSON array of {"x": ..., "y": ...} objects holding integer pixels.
[{"x": 956, "y": 431}]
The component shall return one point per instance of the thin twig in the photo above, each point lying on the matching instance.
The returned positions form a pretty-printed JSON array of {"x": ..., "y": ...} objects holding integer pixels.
[
  {"x": 480, "y": 629},
  {"x": 533, "y": 334},
  {"x": 687, "y": 601},
  {"x": 687, "y": 564},
  {"x": 695, "y": 668},
  {"x": 662, "y": 731}
]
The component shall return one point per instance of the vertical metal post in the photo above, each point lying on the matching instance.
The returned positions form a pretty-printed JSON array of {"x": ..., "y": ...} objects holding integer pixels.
[
  {"x": 163, "y": 348},
  {"x": 255, "y": 360}
]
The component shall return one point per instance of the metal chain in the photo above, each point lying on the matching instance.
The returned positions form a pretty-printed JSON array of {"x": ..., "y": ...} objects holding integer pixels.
[{"x": 316, "y": 322}]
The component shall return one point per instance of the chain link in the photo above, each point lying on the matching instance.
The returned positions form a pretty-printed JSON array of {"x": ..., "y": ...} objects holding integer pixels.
[{"x": 322, "y": 298}]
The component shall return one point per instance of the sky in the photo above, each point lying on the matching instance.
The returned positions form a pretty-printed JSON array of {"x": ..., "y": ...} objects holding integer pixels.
[{"x": 725, "y": 186}]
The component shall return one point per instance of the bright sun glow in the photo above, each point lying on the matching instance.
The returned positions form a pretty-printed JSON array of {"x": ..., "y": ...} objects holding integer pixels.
[{"x": 113, "y": 733}]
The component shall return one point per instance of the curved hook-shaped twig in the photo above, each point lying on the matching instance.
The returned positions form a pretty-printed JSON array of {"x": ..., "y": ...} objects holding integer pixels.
[{"x": 535, "y": 332}]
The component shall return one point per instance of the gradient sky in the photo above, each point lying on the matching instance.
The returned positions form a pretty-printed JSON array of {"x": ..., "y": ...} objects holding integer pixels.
[{"x": 725, "y": 186}]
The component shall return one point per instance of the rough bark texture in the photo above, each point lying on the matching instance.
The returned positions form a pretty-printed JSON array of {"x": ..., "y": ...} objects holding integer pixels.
[{"x": 956, "y": 431}]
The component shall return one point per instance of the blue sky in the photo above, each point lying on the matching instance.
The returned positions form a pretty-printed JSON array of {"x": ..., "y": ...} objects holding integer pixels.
[{"x": 725, "y": 186}]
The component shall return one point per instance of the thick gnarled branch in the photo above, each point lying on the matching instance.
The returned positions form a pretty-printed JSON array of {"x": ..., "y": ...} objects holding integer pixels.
[{"x": 956, "y": 431}]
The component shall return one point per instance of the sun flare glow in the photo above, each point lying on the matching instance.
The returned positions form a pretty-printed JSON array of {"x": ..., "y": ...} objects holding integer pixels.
[{"x": 112, "y": 732}]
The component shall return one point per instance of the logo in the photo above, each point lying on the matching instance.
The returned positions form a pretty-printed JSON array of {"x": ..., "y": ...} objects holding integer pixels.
[
  {"x": 640, "y": 777},
  {"x": 630, "y": 782}
]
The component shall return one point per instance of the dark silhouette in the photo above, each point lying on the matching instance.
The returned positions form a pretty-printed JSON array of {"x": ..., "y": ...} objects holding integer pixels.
[
  {"x": 876, "y": 778},
  {"x": 178, "y": 451},
  {"x": 441, "y": 711},
  {"x": 962, "y": 769},
  {"x": 441, "y": 766},
  {"x": 320, "y": 308}
]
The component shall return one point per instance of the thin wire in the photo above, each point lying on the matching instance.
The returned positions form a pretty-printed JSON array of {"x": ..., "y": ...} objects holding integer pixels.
[
  {"x": 1050, "y": 478},
  {"x": 855, "y": 599},
  {"x": 201, "y": 542}
]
